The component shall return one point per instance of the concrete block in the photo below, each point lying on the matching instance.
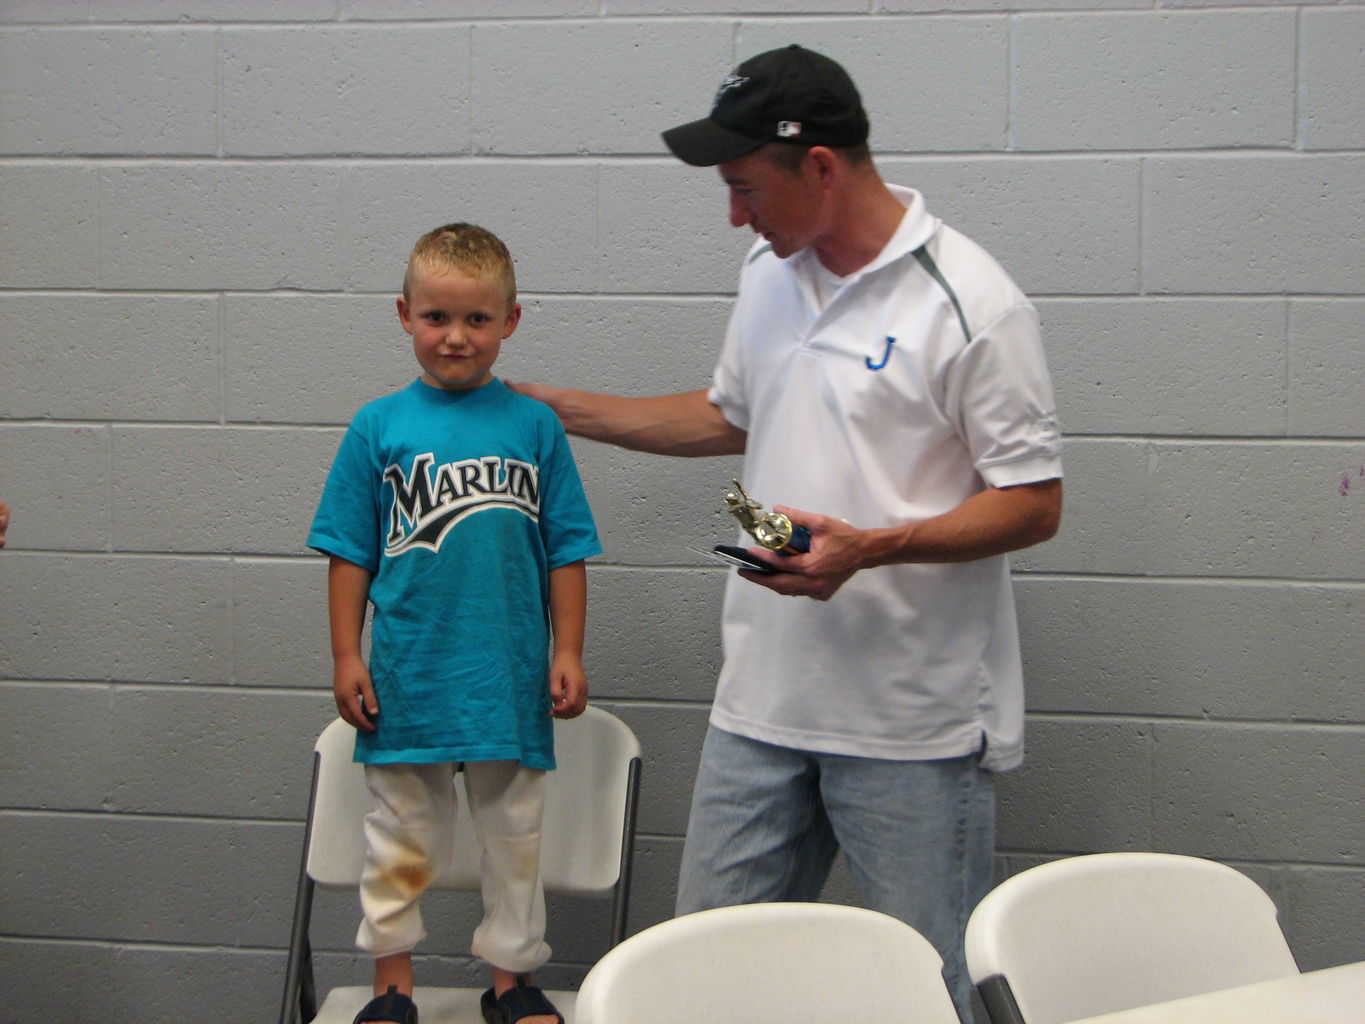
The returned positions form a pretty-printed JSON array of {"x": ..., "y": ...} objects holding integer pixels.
[
  {"x": 312, "y": 359},
  {"x": 115, "y": 618},
  {"x": 1214, "y": 509},
  {"x": 49, "y": 214},
  {"x": 280, "y": 634},
  {"x": 1320, "y": 912},
  {"x": 1085, "y": 785},
  {"x": 654, "y": 634},
  {"x": 36, "y": 11},
  {"x": 1185, "y": 648},
  {"x": 788, "y": 7},
  {"x": 1127, "y": 366},
  {"x": 214, "y": 226},
  {"x": 910, "y": 74},
  {"x": 86, "y": 969},
  {"x": 378, "y": 10},
  {"x": 1326, "y": 370},
  {"x": 538, "y": 88},
  {"x": 153, "y": 356},
  {"x": 109, "y": 981},
  {"x": 258, "y": 498},
  {"x": 56, "y": 482},
  {"x": 1254, "y": 224},
  {"x": 1068, "y": 227},
  {"x": 1154, "y": 80},
  {"x": 624, "y": 345},
  {"x": 173, "y": 748},
  {"x": 113, "y": 856},
  {"x": 654, "y": 888},
  {"x": 671, "y": 738},
  {"x": 44, "y": 724},
  {"x": 1333, "y": 75},
  {"x": 180, "y": 11},
  {"x": 938, "y": 6},
  {"x": 354, "y": 89},
  {"x": 546, "y": 213},
  {"x": 650, "y": 510},
  {"x": 665, "y": 229},
  {"x": 111, "y": 91},
  {"x": 1263, "y": 793}
]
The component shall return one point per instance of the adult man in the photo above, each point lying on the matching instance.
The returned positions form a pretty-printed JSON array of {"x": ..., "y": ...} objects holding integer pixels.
[{"x": 882, "y": 369}]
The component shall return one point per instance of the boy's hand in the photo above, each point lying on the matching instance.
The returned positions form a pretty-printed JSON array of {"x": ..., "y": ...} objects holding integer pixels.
[
  {"x": 568, "y": 687},
  {"x": 354, "y": 693}
]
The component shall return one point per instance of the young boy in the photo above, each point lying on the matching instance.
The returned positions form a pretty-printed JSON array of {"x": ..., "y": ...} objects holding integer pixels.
[{"x": 455, "y": 508}]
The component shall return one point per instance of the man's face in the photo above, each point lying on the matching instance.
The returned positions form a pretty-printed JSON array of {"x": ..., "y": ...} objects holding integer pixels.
[{"x": 782, "y": 206}]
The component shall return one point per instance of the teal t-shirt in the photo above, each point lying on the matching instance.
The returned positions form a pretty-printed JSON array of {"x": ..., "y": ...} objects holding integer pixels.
[{"x": 459, "y": 503}]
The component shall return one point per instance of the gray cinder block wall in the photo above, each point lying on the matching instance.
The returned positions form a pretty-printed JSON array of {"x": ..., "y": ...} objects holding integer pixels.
[{"x": 206, "y": 208}]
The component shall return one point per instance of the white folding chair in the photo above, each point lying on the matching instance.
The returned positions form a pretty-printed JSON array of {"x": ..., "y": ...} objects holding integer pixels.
[
  {"x": 1088, "y": 935},
  {"x": 588, "y": 836},
  {"x": 765, "y": 963}
]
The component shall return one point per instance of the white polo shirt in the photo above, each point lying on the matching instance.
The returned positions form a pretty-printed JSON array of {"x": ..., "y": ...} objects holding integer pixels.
[{"x": 879, "y": 409}]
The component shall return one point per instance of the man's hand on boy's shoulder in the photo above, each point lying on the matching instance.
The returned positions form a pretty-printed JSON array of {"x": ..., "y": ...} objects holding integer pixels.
[{"x": 568, "y": 688}]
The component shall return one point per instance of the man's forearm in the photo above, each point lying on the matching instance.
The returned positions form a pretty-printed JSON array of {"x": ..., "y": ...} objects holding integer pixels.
[
  {"x": 681, "y": 424},
  {"x": 993, "y": 522}
]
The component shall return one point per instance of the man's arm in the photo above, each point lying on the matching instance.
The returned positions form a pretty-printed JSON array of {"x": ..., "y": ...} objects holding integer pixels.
[
  {"x": 681, "y": 424},
  {"x": 991, "y": 522}
]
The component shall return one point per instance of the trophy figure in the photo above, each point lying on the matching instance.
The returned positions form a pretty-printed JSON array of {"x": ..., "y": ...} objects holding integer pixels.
[{"x": 772, "y": 530}]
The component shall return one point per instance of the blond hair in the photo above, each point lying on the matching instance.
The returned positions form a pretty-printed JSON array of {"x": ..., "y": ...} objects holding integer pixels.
[{"x": 466, "y": 248}]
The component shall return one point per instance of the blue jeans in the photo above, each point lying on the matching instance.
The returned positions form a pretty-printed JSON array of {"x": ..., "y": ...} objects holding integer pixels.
[{"x": 919, "y": 836}]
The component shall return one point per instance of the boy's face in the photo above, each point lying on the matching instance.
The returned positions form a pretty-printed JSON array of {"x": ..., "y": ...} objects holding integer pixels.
[{"x": 457, "y": 323}]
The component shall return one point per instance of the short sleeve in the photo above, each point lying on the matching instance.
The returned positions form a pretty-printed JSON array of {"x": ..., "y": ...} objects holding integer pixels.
[
  {"x": 566, "y": 521},
  {"x": 346, "y": 523},
  {"x": 1001, "y": 395}
]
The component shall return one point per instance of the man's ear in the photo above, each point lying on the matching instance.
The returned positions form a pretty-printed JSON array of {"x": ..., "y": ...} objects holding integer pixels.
[{"x": 825, "y": 162}]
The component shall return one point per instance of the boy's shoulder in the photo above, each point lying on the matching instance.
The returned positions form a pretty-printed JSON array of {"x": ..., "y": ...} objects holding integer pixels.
[{"x": 527, "y": 406}]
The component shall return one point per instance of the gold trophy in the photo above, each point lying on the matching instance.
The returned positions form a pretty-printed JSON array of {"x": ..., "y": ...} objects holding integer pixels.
[{"x": 772, "y": 530}]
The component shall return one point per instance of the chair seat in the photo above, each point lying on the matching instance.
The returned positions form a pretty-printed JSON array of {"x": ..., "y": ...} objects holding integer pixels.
[{"x": 434, "y": 1005}]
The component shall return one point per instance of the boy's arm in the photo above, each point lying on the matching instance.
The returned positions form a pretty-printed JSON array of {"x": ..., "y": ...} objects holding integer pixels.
[
  {"x": 568, "y": 616},
  {"x": 348, "y": 589}
]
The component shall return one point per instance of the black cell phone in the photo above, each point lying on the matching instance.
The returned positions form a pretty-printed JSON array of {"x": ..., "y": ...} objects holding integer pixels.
[{"x": 739, "y": 556}]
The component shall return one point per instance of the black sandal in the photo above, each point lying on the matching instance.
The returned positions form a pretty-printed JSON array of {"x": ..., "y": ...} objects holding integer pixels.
[
  {"x": 392, "y": 1005},
  {"x": 516, "y": 1003}
]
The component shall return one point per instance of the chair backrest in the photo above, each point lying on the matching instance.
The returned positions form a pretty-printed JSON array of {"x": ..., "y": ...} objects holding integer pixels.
[
  {"x": 800, "y": 963},
  {"x": 583, "y": 829},
  {"x": 1096, "y": 934}
]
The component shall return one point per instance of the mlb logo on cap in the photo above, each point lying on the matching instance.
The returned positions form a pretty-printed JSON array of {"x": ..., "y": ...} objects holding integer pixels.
[{"x": 788, "y": 129}]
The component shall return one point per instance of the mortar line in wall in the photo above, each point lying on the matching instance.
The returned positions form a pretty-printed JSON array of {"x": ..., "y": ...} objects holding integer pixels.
[
  {"x": 1034, "y": 852},
  {"x": 315, "y": 426},
  {"x": 1020, "y": 574},
  {"x": 146, "y": 946},
  {"x": 1011, "y": 82},
  {"x": 672, "y": 297},
  {"x": 132, "y": 815},
  {"x": 661, "y": 159},
  {"x": 1142, "y": 227},
  {"x": 1157, "y": 718},
  {"x": 1299, "y": 81}
]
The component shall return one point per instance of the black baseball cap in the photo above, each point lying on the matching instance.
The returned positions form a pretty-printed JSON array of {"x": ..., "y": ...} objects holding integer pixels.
[{"x": 787, "y": 95}]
